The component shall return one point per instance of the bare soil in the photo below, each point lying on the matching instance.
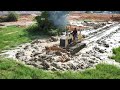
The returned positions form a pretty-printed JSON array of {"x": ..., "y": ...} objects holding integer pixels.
[{"x": 92, "y": 16}]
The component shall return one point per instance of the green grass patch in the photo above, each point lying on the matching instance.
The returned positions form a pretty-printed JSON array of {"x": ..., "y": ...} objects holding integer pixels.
[
  {"x": 116, "y": 55},
  {"x": 12, "y": 36},
  {"x": 10, "y": 69}
]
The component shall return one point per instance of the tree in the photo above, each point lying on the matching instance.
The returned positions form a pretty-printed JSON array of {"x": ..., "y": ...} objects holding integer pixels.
[{"x": 45, "y": 25}]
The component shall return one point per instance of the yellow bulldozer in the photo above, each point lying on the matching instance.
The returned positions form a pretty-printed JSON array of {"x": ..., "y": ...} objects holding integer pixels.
[
  {"x": 70, "y": 43},
  {"x": 68, "y": 39}
]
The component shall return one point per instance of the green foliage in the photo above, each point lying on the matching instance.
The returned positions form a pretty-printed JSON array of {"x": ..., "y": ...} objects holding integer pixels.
[
  {"x": 12, "y": 36},
  {"x": 116, "y": 51},
  {"x": 43, "y": 21},
  {"x": 2, "y": 19},
  {"x": 52, "y": 32},
  {"x": 45, "y": 25},
  {"x": 12, "y": 16},
  {"x": 33, "y": 29}
]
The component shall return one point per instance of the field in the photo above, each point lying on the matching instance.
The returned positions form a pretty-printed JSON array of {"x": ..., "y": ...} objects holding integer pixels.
[
  {"x": 10, "y": 69},
  {"x": 12, "y": 36}
]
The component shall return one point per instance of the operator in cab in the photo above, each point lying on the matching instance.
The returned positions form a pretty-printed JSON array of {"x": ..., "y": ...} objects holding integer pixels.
[{"x": 74, "y": 33}]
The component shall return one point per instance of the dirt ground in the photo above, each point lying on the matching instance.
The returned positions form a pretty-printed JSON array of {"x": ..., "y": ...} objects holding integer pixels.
[
  {"x": 23, "y": 21},
  {"x": 92, "y": 16}
]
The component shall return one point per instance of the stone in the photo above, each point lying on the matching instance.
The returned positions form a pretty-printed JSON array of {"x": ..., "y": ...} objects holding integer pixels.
[
  {"x": 30, "y": 62},
  {"x": 19, "y": 54},
  {"x": 43, "y": 56},
  {"x": 58, "y": 53},
  {"x": 26, "y": 47},
  {"x": 64, "y": 58},
  {"x": 45, "y": 64},
  {"x": 36, "y": 54},
  {"x": 28, "y": 53},
  {"x": 66, "y": 67},
  {"x": 36, "y": 41},
  {"x": 54, "y": 69},
  {"x": 53, "y": 39},
  {"x": 106, "y": 45},
  {"x": 40, "y": 66},
  {"x": 91, "y": 61},
  {"x": 99, "y": 50},
  {"x": 72, "y": 66}
]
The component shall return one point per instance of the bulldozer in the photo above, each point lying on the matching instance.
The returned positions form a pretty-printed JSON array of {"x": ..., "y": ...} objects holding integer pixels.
[{"x": 68, "y": 42}]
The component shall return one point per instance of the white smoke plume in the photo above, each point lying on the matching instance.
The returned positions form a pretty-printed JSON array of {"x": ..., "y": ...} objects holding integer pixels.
[{"x": 59, "y": 18}]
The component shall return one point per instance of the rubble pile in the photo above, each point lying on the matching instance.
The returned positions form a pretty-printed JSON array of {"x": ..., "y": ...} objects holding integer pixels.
[{"x": 50, "y": 58}]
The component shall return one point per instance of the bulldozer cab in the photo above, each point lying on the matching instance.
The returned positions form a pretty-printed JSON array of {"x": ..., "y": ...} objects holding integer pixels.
[{"x": 69, "y": 39}]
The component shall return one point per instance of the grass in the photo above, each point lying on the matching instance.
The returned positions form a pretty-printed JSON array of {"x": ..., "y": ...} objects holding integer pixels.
[
  {"x": 116, "y": 55},
  {"x": 10, "y": 69},
  {"x": 12, "y": 36}
]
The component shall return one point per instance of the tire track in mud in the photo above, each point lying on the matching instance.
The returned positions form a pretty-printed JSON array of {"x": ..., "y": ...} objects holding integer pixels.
[
  {"x": 92, "y": 48},
  {"x": 101, "y": 34}
]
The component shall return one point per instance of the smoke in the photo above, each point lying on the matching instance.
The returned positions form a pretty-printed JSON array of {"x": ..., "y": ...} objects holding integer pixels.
[{"x": 59, "y": 18}]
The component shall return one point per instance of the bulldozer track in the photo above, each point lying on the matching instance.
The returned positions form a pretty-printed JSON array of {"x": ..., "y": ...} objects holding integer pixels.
[
  {"x": 99, "y": 34},
  {"x": 101, "y": 30}
]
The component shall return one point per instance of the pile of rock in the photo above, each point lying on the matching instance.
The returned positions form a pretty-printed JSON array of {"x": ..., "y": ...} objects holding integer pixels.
[
  {"x": 53, "y": 39},
  {"x": 36, "y": 55},
  {"x": 99, "y": 25}
]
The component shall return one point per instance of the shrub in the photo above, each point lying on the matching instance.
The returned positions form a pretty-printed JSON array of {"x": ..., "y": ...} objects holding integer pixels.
[
  {"x": 32, "y": 28},
  {"x": 12, "y": 16},
  {"x": 2, "y": 19},
  {"x": 45, "y": 25},
  {"x": 116, "y": 57},
  {"x": 52, "y": 32}
]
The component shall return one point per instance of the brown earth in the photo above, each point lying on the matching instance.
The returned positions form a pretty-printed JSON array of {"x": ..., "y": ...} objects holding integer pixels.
[{"x": 93, "y": 16}]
